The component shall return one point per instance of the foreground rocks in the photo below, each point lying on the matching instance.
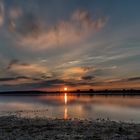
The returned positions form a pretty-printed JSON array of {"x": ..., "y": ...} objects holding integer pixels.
[{"x": 13, "y": 128}]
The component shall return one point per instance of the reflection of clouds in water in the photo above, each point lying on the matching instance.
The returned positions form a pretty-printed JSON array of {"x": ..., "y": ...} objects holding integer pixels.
[
  {"x": 87, "y": 107},
  {"x": 66, "y": 106},
  {"x": 117, "y": 112},
  {"x": 19, "y": 106},
  {"x": 53, "y": 100}
]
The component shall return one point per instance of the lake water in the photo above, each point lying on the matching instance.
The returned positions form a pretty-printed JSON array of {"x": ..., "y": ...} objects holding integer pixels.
[{"x": 120, "y": 108}]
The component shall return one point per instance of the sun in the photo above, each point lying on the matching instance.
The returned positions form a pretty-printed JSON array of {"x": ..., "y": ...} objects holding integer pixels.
[{"x": 65, "y": 89}]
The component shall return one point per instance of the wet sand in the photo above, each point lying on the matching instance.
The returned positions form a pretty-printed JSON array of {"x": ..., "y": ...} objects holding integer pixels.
[{"x": 15, "y": 128}]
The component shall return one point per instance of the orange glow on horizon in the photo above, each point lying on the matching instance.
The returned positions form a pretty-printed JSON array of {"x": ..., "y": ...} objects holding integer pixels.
[{"x": 65, "y": 89}]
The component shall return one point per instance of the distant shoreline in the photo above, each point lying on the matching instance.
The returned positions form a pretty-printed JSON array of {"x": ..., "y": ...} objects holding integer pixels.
[{"x": 77, "y": 92}]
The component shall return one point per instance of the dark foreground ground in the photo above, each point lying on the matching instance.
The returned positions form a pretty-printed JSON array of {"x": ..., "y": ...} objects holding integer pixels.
[{"x": 13, "y": 128}]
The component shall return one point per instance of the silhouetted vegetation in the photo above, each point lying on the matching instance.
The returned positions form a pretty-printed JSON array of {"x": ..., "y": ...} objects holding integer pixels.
[{"x": 123, "y": 92}]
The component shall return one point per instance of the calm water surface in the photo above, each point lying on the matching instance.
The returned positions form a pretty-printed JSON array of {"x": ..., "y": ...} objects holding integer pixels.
[{"x": 66, "y": 106}]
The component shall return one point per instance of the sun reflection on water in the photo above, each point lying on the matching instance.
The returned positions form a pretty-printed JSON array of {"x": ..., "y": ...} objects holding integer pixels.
[
  {"x": 65, "y": 109},
  {"x": 65, "y": 98},
  {"x": 65, "y": 113}
]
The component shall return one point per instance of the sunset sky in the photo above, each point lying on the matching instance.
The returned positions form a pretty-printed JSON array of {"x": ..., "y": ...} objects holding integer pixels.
[{"x": 81, "y": 44}]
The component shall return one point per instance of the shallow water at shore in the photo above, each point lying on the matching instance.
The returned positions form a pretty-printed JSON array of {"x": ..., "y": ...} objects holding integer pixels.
[{"x": 119, "y": 108}]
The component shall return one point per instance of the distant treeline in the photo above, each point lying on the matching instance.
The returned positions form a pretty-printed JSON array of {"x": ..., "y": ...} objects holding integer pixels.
[{"x": 76, "y": 92}]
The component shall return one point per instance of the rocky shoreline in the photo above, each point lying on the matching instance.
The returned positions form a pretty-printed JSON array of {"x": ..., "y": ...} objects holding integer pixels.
[{"x": 15, "y": 128}]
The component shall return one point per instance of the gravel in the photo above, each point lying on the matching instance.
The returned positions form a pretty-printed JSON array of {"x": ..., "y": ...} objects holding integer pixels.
[{"x": 18, "y": 128}]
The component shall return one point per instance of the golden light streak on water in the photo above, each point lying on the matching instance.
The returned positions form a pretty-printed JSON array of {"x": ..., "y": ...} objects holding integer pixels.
[
  {"x": 66, "y": 113},
  {"x": 65, "y": 98},
  {"x": 65, "y": 109}
]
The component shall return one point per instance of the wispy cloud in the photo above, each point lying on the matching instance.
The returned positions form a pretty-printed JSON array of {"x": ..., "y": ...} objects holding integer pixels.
[
  {"x": 27, "y": 69},
  {"x": 79, "y": 47},
  {"x": 33, "y": 32},
  {"x": 1, "y": 14},
  {"x": 130, "y": 79},
  {"x": 88, "y": 78},
  {"x": 18, "y": 80},
  {"x": 15, "y": 12}
]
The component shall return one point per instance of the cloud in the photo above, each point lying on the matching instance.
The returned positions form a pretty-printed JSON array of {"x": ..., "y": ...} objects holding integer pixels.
[
  {"x": 16, "y": 80},
  {"x": 131, "y": 79},
  {"x": 85, "y": 21},
  {"x": 72, "y": 73},
  {"x": 15, "y": 12},
  {"x": 27, "y": 83},
  {"x": 88, "y": 77},
  {"x": 11, "y": 63},
  {"x": 134, "y": 79},
  {"x": 12, "y": 78},
  {"x": 33, "y": 85},
  {"x": 27, "y": 69},
  {"x": 94, "y": 72},
  {"x": 84, "y": 72},
  {"x": 34, "y": 32},
  {"x": 27, "y": 25},
  {"x": 1, "y": 14}
]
